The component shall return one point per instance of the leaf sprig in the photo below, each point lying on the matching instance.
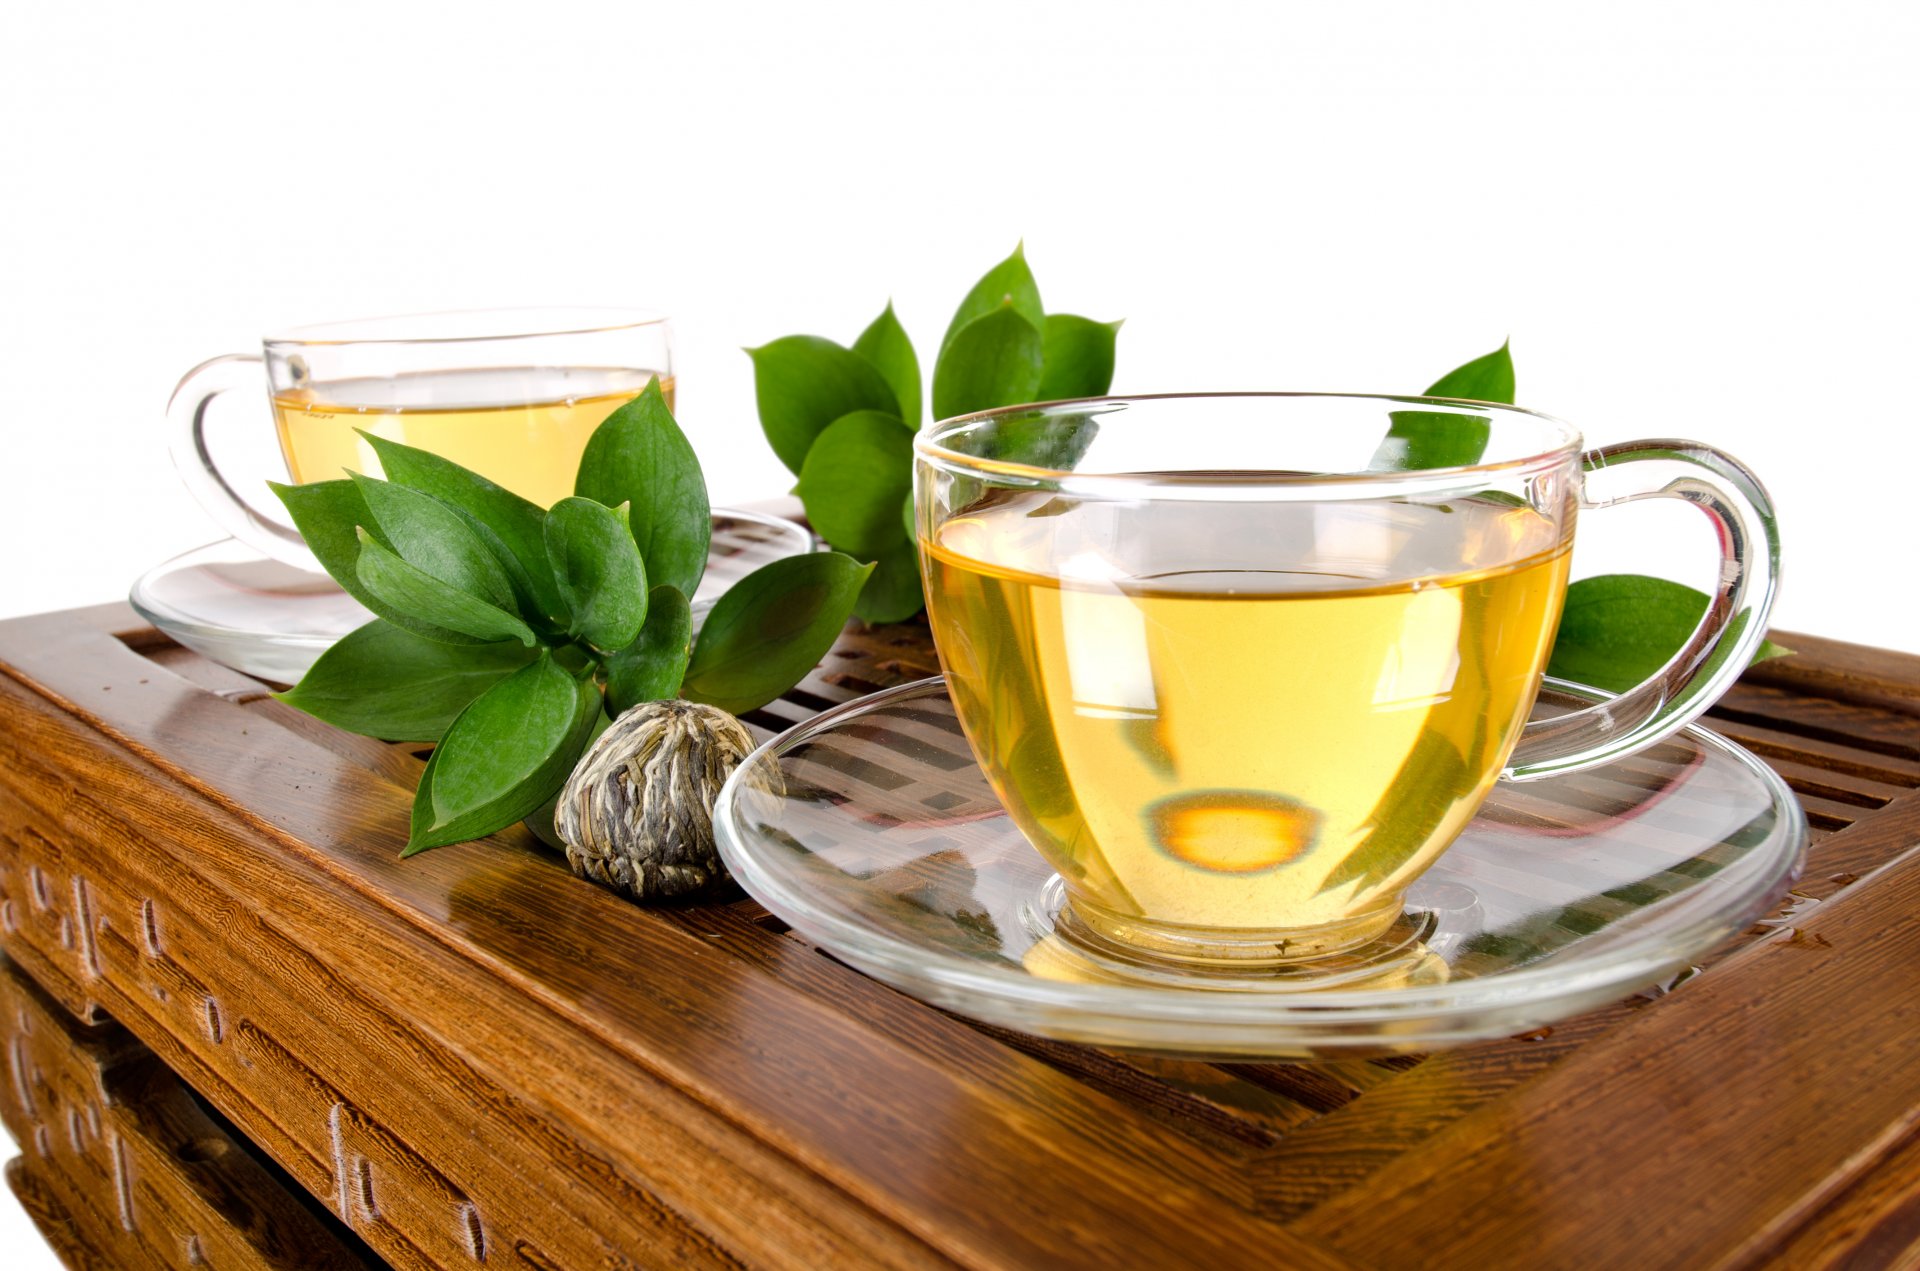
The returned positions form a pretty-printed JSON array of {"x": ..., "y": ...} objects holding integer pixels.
[
  {"x": 509, "y": 635},
  {"x": 842, "y": 419}
]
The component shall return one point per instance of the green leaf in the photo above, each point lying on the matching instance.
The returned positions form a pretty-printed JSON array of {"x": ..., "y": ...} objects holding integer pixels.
[
  {"x": 885, "y": 344},
  {"x": 771, "y": 628},
  {"x": 1616, "y": 630},
  {"x": 1423, "y": 439},
  {"x": 383, "y": 681},
  {"x": 513, "y": 527},
  {"x": 1485, "y": 379},
  {"x": 853, "y": 480},
  {"x": 1008, "y": 283},
  {"x": 1077, "y": 357},
  {"x": 892, "y": 593},
  {"x": 329, "y": 515},
  {"x": 436, "y": 540},
  {"x": 992, "y": 361},
  {"x": 504, "y": 756},
  {"x": 802, "y": 383},
  {"x": 1421, "y": 796},
  {"x": 417, "y": 596},
  {"x": 598, "y": 570},
  {"x": 652, "y": 667},
  {"x": 639, "y": 456}
]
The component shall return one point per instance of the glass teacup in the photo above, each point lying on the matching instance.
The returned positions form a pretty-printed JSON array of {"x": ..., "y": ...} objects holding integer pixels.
[
  {"x": 512, "y": 394},
  {"x": 1240, "y": 670}
]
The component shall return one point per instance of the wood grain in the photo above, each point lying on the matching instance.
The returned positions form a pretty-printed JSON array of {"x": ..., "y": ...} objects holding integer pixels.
[
  {"x": 757, "y": 1124},
  {"x": 120, "y": 1168},
  {"x": 474, "y": 1057}
]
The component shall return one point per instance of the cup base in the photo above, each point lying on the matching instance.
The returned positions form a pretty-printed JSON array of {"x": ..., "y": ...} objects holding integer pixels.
[{"x": 1080, "y": 940}]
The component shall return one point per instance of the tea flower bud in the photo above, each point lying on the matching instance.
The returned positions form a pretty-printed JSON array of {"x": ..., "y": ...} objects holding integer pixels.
[{"x": 637, "y": 813}]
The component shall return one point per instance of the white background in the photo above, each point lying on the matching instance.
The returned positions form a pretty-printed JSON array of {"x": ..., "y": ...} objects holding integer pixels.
[{"x": 1693, "y": 219}]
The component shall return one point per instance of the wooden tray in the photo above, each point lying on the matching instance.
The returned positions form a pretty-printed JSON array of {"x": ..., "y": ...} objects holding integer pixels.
[{"x": 475, "y": 1058}]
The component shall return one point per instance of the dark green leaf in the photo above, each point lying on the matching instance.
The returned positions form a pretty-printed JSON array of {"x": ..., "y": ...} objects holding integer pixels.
[
  {"x": 992, "y": 361},
  {"x": 418, "y": 597},
  {"x": 540, "y": 820},
  {"x": 511, "y": 526},
  {"x": 853, "y": 480},
  {"x": 598, "y": 570},
  {"x": 1423, "y": 439},
  {"x": 771, "y": 628},
  {"x": 1008, "y": 283},
  {"x": 802, "y": 383},
  {"x": 329, "y": 515},
  {"x": 504, "y": 756},
  {"x": 436, "y": 540},
  {"x": 384, "y": 681},
  {"x": 652, "y": 667},
  {"x": 892, "y": 593},
  {"x": 640, "y": 457},
  {"x": 1616, "y": 630},
  {"x": 885, "y": 344},
  {"x": 1077, "y": 357}
]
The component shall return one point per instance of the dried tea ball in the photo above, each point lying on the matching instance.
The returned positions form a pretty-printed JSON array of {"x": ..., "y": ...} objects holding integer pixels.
[{"x": 637, "y": 813}]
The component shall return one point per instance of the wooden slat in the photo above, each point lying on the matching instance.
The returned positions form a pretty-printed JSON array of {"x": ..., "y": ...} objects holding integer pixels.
[
  {"x": 120, "y": 1167},
  {"x": 1729, "y": 1116},
  {"x": 509, "y": 959}
]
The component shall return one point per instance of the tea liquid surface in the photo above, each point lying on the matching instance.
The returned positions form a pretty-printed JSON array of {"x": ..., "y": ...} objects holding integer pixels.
[
  {"x": 1243, "y": 714},
  {"x": 523, "y": 428}
]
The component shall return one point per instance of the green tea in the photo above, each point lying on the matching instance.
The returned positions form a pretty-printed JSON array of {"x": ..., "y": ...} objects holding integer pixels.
[
  {"x": 523, "y": 428},
  {"x": 1243, "y": 715}
]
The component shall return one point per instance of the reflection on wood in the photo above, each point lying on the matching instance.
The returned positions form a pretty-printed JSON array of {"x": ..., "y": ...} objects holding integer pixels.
[{"x": 474, "y": 1058}]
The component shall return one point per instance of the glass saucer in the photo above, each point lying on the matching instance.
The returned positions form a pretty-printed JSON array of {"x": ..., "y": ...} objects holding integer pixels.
[
  {"x": 273, "y": 620},
  {"x": 871, "y": 831}
]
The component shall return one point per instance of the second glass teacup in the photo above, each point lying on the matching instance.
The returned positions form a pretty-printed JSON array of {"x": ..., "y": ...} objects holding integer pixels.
[{"x": 1241, "y": 672}]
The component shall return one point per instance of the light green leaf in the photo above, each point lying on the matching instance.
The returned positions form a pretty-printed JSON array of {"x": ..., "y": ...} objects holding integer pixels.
[
  {"x": 1616, "y": 630},
  {"x": 651, "y": 668},
  {"x": 451, "y": 614},
  {"x": 436, "y": 540},
  {"x": 598, "y": 570},
  {"x": 885, "y": 344},
  {"x": 1009, "y": 283},
  {"x": 384, "y": 681},
  {"x": 771, "y": 628},
  {"x": 992, "y": 361},
  {"x": 802, "y": 383},
  {"x": 853, "y": 480},
  {"x": 504, "y": 756},
  {"x": 512, "y": 527},
  {"x": 1077, "y": 357},
  {"x": 639, "y": 456},
  {"x": 893, "y": 593}
]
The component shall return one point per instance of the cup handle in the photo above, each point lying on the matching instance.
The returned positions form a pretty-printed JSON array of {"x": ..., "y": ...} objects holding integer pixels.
[
  {"x": 187, "y": 440},
  {"x": 1731, "y": 630}
]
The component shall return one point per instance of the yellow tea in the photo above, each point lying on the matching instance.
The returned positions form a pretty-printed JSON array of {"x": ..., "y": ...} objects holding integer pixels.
[
  {"x": 1248, "y": 715},
  {"x": 524, "y": 428}
]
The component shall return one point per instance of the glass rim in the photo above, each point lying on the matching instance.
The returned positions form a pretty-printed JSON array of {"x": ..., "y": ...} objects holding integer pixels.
[
  {"x": 928, "y": 447},
  {"x": 513, "y": 323}
]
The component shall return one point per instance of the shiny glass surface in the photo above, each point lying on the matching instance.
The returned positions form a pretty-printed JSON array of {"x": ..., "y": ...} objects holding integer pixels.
[{"x": 872, "y": 831}]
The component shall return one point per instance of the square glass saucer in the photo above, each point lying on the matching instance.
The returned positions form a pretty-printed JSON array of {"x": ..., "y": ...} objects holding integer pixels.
[
  {"x": 272, "y": 620},
  {"x": 872, "y": 832}
]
